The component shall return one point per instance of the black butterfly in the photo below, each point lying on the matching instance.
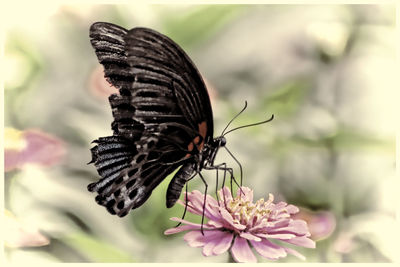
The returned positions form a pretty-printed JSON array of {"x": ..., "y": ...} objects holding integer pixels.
[{"x": 162, "y": 118}]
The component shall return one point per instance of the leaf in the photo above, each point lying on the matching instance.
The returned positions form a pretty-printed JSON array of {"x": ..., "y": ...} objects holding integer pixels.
[
  {"x": 287, "y": 99},
  {"x": 201, "y": 22},
  {"x": 95, "y": 249}
]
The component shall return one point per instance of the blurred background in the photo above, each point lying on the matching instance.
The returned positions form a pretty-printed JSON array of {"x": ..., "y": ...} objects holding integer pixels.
[{"x": 327, "y": 73}]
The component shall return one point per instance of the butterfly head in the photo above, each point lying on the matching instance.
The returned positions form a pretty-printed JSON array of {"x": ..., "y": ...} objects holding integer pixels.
[{"x": 219, "y": 141}]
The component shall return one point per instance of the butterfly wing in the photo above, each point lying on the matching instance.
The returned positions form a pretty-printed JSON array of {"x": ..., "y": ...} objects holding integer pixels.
[{"x": 162, "y": 112}]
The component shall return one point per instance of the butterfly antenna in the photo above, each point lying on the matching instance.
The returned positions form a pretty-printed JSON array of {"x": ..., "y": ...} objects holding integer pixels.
[
  {"x": 253, "y": 124},
  {"x": 245, "y": 106}
]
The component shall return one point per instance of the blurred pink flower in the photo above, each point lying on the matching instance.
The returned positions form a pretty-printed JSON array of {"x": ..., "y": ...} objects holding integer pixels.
[
  {"x": 99, "y": 86},
  {"x": 210, "y": 89},
  {"x": 21, "y": 234},
  {"x": 344, "y": 243},
  {"x": 31, "y": 147},
  {"x": 241, "y": 221},
  {"x": 320, "y": 223}
]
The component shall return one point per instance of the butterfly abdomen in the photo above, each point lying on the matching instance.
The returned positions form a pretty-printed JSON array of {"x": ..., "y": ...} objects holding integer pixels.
[{"x": 180, "y": 179}]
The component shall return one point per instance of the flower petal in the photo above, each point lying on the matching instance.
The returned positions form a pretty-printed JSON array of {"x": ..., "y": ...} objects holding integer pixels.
[
  {"x": 188, "y": 226},
  {"x": 208, "y": 248},
  {"x": 246, "y": 194},
  {"x": 301, "y": 241},
  {"x": 297, "y": 227},
  {"x": 215, "y": 224},
  {"x": 229, "y": 223},
  {"x": 19, "y": 234},
  {"x": 292, "y": 209},
  {"x": 225, "y": 194},
  {"x": 190, "y": 207},
  {"x": 205, "y": 226},
  {"x": 280, "y": 223},
  {"x": 224, "y": 243},
  {"x": 249, "y": 236},
  {"x": 179, "y": 229},
  {"x": 268, "y": 225},
  {"x": 295, "y": 253},
  {"x": 280, "y": 205},
  {"x": 194, "y": 239},
  {"x": 42, "y": 148},
  {"x": 195, "y": 205},
  {"x": 31, "y": 147},
  {"x": 11, "y": 160},
  {"x": 269, "y": 250},
  {"x": 277, "y": 236},
  {"x": 98, "y": 85},
  {"x": 213, "y": 241},
  {"x": 241, "y": 251}
]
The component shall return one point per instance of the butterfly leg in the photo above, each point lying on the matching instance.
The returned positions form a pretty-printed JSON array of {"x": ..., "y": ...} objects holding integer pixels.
[
  {"x": 223, "y": 184},
  {"x": 204, "y": 202},
  {"x": 216, "y": 186},
  {"x": 186, "y": 204},
  {"x": 217, "y": 168},
  {"x": 240, "y": 165},
  {"x": 186, "y": 200},
  {"x": 225, "y": 169},
  {"x": 222, "y": 166}
]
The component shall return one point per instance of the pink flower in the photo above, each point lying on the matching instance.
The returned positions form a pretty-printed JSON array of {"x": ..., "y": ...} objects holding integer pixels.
[
  {"x": 99, "y": 86},
  {"x": 31, "y": 147},
  {"x": 21, "y": 234},
  {"x": 240, "y": 223},
  {"x": 320, "y": 223}
]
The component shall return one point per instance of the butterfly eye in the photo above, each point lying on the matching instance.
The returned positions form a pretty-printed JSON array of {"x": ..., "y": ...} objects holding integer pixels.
[
  {"x": 222, "y": 141},
  {"x": 219, "y": 141}
]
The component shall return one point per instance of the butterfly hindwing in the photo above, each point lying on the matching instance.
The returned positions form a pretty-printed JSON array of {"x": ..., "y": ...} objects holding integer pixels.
[
  {"x": 148, "y": 168},
  {"x": 111, "y": 155}
]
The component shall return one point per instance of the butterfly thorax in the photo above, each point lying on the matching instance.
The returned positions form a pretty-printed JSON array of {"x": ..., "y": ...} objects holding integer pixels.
[{"x": 209, "y": 152}]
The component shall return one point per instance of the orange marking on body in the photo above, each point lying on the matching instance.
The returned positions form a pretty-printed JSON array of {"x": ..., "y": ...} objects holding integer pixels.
[
  {"x": 190, "y": 149},
  {"x": 203, "y": 129},
  {"x": 203, "y": 132},
  {"x": 196, "y": 140},
  {"x": 190, "y": 146}
]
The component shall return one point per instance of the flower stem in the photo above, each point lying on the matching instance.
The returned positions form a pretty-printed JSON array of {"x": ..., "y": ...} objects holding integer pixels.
[{"x": 230, "y": 258}]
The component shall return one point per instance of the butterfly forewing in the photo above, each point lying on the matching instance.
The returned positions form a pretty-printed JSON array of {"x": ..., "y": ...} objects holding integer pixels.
[{"x": 162, "y": 110}]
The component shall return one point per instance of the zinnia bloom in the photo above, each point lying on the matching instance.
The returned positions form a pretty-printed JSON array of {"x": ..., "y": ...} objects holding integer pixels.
[
  {"x": 99, "y": 86},
  {"x": 320, "y": 223},
  {"x": 234, "y": 223},
  {"x": 21, "y": 234},
  {"x": 31, "y": 147}
]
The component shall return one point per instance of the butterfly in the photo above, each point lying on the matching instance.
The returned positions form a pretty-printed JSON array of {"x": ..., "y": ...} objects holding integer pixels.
[{"x": 162, "y": 119}]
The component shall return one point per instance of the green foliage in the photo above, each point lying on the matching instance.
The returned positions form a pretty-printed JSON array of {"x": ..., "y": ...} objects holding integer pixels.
[
  {"x": 203, "y": 21},
  {"x": 96, "y": 250},
  {"x": 286, "y": 99}
]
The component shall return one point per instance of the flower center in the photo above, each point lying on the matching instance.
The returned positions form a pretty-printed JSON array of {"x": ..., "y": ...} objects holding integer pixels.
[{"x": 248, "y": 213}]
